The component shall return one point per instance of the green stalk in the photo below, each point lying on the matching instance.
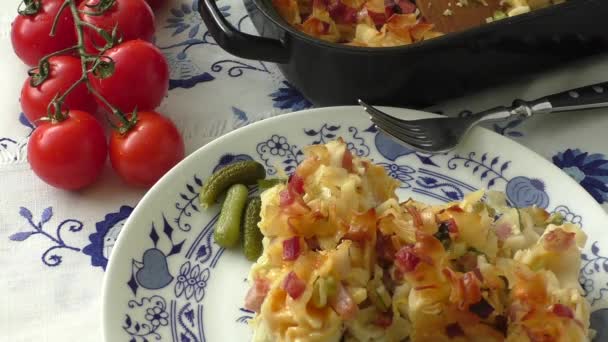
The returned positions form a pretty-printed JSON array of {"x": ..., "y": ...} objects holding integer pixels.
[{"x": 85, "y": 59}]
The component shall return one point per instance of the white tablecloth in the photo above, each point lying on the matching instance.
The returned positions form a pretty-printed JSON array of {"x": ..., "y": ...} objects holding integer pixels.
[{"x": 54, "y": 244}]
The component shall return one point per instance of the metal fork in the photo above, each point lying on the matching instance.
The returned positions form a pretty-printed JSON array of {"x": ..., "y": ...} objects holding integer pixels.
[{"x": 442, "y": 134}]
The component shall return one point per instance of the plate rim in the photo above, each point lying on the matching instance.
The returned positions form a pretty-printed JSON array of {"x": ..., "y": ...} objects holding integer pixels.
[{"x": 105, "y": 288}]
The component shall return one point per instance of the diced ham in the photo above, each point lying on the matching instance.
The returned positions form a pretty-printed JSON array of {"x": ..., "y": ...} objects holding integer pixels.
[
  {"x": 406, "y": 260},
  {"x": 293, "y": 285},
  {"x": 562, "y": 310},
  {"x": 286, "y": 198},
  {"x": 343, "y": 303},
  {"x": 256, "y": 294},
  {"x": 558, "y": 240},
  {"x": 347, "y": 158},
  {"x": 291, "y": 249},
  {"x": 379, "y": 19},
  {"x": 296, "y": 183},
  {"x": 503, "y": 231}
]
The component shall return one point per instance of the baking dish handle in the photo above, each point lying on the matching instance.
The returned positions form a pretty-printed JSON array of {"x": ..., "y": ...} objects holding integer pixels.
[{"x": 238, "y": 43}]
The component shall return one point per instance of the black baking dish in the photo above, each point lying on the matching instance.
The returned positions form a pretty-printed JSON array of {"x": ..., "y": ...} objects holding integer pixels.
[{"x": 420, "y": 74}]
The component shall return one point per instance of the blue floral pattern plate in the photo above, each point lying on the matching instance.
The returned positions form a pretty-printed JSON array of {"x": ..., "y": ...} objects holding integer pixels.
[{"x": 168, "y": 281}]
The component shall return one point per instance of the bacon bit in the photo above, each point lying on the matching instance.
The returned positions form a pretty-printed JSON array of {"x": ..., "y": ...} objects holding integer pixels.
[
  {"x": 425, "y": 287},
  {"x": 361, "y": 226},
  {"x": 406, "y": 260},
  {"x": 293, "y": 285},
  {"x": 291, "y": 249},
  {"x": 347, "y": 158},
  {"x": 343, "y": 303},
  {"x": 482, "y": 308},
  {"x": 415, "y": 216},
  {"x": 383, "y": 320},
  {"x": 296, "y": 183},
  {"x": 453, "y": 330},
  {"x": 456, "y": 208},
  {"x": 256, "y": 294},
  {"x": 562, "y": 310},
  {"x": 313, "y": 243},
  {"x": 558, "y": 240}
]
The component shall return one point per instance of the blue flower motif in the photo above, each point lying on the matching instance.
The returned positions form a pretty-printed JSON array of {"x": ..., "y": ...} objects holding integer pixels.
[
  {"x": 525, "y": 192},
  {"x": 103, "y": 240},
  {"x": 157, "y": 316},
  {"x": 400, "y": 172},
  {"x": 389, "y": 148},
  {"x": 191, "y": 281},
  {"x": 278, "y": 145},
  {"x": 186, "y": 17},
  {"x": 589, "y": 170},
  {"x": 289, "y": 97}
]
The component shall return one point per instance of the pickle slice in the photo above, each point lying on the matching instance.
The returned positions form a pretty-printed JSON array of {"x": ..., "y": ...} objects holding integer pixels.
[
  {"x": 252, "y": 237},
  {"x": 228, "y": 227},
  {"x": 246, "y": 172}
]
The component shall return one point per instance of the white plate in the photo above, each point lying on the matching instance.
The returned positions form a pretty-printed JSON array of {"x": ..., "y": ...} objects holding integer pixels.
[{"x": 167, "y": 280}]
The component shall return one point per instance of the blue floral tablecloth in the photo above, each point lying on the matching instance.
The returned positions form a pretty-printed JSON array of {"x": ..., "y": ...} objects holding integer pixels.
[{"x": 54, "y": 245}]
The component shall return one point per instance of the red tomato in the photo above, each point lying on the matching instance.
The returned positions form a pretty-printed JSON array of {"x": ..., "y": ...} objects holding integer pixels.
[
  {"x": 30, "y": 33},
  {"x": 140, "y": 79},
  {"x": 69, "y": 154},
  {"x": 64, "y": 71},
  {"x": 147, "y": 151},
  {"x": 134, "y": 18}
]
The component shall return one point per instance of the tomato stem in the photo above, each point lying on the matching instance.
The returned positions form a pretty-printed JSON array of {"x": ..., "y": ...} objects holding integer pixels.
[
  {"x": 57, "y": 16},
  {"x": 96, "y": 64},
  {"x": 29, "y": 7}
]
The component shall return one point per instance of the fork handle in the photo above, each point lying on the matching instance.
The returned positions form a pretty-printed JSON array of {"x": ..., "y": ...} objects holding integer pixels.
[{"x": 588, "y": 97}]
